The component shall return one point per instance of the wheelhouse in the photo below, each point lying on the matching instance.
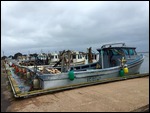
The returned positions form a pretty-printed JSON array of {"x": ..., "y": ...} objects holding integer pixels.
[{"x": 111, "y": 56}]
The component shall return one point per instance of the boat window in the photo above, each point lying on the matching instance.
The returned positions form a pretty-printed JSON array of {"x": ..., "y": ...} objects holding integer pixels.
[
  {"x": 134, "y": 52},
  {"x": 118, "y": 51},
  {"x": 109, "y": 52},
  {"x": 74, "y": 56},
  {"x": 115, "y": 52},
  {"x": 56, "y": 57},
  {"x": 77, "y": 67},
  {"x": 86, "y": 56},
  {"x": 126, "y": 51},
  {"x": 105, "y": 52},
  {"x": 95, "y": 57},
  {"x": 87, "y": 66},
  {"x": 52, "y": 56},
  {"x": 131, "y": 52},
  {"x": 79, "y": 56}
]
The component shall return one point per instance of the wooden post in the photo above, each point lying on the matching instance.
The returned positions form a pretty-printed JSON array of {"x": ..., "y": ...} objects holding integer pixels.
[
  {"x": 62, "y": 63},
  {"x": 90, "y": 55},
  {"x": 69, "y": 59}
]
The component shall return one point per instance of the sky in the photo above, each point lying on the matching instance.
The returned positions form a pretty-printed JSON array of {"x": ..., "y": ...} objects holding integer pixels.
[{"x": 49, "y": 26}]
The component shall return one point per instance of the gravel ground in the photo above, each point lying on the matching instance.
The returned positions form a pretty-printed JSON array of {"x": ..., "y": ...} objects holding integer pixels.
[{"x": 117, "y": 96}]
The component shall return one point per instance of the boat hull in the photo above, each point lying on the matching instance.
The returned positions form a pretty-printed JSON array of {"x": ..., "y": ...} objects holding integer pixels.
[{"x": 81, "y": 77}]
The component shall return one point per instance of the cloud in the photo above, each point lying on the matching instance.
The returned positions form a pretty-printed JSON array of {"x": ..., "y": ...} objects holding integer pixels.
[{"x": 53, "y": 26}]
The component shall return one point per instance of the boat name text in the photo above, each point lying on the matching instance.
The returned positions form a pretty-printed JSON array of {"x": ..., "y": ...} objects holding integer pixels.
[{"x": 93, "y": 78}]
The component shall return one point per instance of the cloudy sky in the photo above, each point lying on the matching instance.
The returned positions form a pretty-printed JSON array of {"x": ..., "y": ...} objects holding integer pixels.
[{"x": 32, "y": 26}]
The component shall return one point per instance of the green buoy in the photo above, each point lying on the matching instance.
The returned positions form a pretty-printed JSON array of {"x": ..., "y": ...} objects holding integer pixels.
[
  {"x": 121, "y": 72},
  {"x": 71, "y": 75}
]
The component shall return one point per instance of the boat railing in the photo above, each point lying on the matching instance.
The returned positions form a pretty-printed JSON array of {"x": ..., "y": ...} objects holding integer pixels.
[{"x": 110, "y": 45}]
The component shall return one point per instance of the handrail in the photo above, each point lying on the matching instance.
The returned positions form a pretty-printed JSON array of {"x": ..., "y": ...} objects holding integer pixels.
[{"x": 123, "y": 44}]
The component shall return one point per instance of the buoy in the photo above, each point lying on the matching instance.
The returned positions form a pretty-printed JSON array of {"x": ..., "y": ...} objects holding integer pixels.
[
  {"x": 71, "y": 75},
  {"x": 36, "y": 84},
  {"x": 28, "y": 74},
  {"x": 17, "y": 70},
  {"x": 21, "y": 70},
  {"x": 10, "y": 64},
  {"x": 24, "y": 70},
  {"x": 125, "y": 69},
  {"x": 121, "y": 72},
  {"x": 13, "y": 65}
]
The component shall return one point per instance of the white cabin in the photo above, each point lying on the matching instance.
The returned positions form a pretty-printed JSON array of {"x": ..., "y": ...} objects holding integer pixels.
[
  {"x": 78, "y": 57},
  {"x": 42, "y": 56},
  {"x": 54, "y": 57}
]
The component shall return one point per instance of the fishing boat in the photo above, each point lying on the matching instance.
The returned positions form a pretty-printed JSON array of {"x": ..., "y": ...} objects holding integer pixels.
[{"x": 115, "y": 60}]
